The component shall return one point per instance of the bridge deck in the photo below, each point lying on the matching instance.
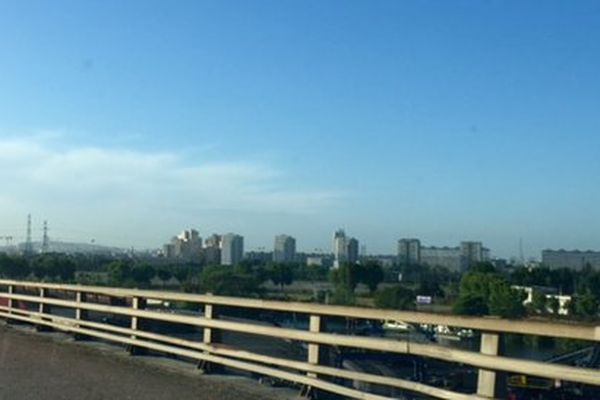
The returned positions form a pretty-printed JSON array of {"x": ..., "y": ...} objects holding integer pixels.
[{"x": 50, "y": 366}]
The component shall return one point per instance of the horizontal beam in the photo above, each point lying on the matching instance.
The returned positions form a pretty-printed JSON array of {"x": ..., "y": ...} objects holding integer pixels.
[
  {"x": 577, "y": 331},
  {"x": 560, "y": 372},
  {"x": 61, "y": 322},
  {"x": 245, "y": 366}
]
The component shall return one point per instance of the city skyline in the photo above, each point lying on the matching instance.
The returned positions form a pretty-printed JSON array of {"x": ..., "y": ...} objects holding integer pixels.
[
  {"x": 188, "y": 242},
  {"x": 121, "y": 123}
]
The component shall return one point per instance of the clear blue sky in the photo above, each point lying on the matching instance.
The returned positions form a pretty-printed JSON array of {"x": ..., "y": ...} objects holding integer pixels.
[{"x": 127, "y": 121}]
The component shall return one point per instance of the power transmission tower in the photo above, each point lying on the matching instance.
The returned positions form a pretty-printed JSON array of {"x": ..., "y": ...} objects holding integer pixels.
[
  {"x": 28, "y": 243},
  {"x": 45, "y": 241}
]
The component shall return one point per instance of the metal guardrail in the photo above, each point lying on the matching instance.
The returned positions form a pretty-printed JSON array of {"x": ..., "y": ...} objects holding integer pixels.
[{"x": 310, "y": 373}]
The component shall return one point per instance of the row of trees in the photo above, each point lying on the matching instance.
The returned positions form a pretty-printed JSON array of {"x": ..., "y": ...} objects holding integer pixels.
[
  {"x": 482, "y": 290},
  {"x": 485, "y": 291},
  {"x": 56, "y": 267}
]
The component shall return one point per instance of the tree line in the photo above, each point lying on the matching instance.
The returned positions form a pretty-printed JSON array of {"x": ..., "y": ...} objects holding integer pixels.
[{"x": 481, "y": 290}]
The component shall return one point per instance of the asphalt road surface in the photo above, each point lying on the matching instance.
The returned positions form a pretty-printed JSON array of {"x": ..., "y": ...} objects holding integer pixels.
[{"x": 50, "y": 366}]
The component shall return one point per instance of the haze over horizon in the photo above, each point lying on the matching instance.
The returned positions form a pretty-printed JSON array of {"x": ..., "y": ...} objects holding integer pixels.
[{"x": 126, "y": 122}]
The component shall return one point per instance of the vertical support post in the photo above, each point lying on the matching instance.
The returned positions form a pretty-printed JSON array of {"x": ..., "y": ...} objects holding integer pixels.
[
  {"x": 137, "y": 303},
  {"x": 10, "y": 290},
  {"x": 314, "y": 348},
  {"x": 41, "y": 306},
  {"x": 79, "y": 298},
  {"x": 43, "y": 309},
  {"x": 315, "y": 355},
  {"x": 209, "y": 311},
  {"x": 9, "y": 303},
  {"x": 210, "y": 336},
  {"x": 487, "y": 381},
  {"x": 80, "y": 315}
]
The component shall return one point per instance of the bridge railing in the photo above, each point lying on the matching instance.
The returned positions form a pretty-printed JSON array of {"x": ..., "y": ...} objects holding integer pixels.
[{"x": 311, "y": 373}]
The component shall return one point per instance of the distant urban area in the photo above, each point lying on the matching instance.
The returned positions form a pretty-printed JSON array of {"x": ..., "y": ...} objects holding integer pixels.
[{"x": 462, "y": 279}]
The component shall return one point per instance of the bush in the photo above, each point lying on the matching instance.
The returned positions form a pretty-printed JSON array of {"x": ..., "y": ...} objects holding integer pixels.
[
  {"x": 470, "y": 304},
  {"x": 225, "y": 281},
  {"x": 395, "y": 297}
]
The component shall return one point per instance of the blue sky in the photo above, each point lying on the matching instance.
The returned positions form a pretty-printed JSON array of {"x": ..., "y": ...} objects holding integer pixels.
[{"x": 126, "y": 122}]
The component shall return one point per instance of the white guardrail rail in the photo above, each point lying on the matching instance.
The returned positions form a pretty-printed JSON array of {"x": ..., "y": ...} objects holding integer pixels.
[{"x": 30, "y": 302}]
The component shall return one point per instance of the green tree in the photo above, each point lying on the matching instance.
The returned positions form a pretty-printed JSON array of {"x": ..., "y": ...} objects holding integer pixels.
[
  {"x": 13, "y": 267},
  {"x": 281, "y": 274},
  {"x": 346, "y": 275},
  {"x": 182, "y": 274},
  {"x": 395, "y": 297},
  {"x": 430, "y": 287},
  {"x": 371, "y": 274},
  {"x": 38, "y": 267},
  {"x": 223, "y": 280},
  {"x": 505, "y": 301},
  {"x": 489, "y": 288},
  {"x": 586, "y": 306},
  {"x": 470, "y": 304},
  {"x": 142, "y": 274},
  {"x": 54, "y": 266},
  {"x": 483, "y": 267},
  {"x": 343, "y": 296},
  {"x": 316, "y": 273},
  {"x": 119, "y": 273},
  {"x": 164, "y": 275},
  {"x": 477, "y": 284}
]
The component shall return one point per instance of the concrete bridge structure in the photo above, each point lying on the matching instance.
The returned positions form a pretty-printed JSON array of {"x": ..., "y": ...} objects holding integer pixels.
[
  {"x": 194, "y": 327},
  {"x": 51, "y": 366}
]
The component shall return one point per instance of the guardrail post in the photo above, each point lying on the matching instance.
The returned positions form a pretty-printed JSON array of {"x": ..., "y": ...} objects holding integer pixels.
[
  {"x": 80, "y": 314},
  {"x": 487, "y": 381},
  {"x": 314, "y": 353},
  {"x": 137, "y": 303},
  {"x": 210, "y": 337},
  {"x": 314, "y": 348},
  {"x": 43, "y": 309},
  {"x": 9, "y": 290}
]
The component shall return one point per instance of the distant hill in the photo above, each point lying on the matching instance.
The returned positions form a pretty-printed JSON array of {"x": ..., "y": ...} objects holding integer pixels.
[{"x": 69, "y": 248}]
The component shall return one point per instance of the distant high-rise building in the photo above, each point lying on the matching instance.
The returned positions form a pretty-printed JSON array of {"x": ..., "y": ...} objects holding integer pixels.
[
  {"x": 471, "y": 252},
  {"x": 339, "y": 248},
  {"x": 345, "y": 249},
  {"x": 213, "y": 240},
  {"x": 211, "y": 255},
  {"x": 187, "y": 245},
  {"x": 409, "y": 251},
  {"x": 232, "y": 249},
  {"x": 352, "y": 250},
  {"x": 284, "y": 249},
  {"x": 212, "y": 250}
]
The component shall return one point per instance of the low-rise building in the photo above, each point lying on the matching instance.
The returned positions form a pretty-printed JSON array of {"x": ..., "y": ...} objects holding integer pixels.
[
  {"x": 573, "y": 259},
  {"x": 550, "y": 293}
]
